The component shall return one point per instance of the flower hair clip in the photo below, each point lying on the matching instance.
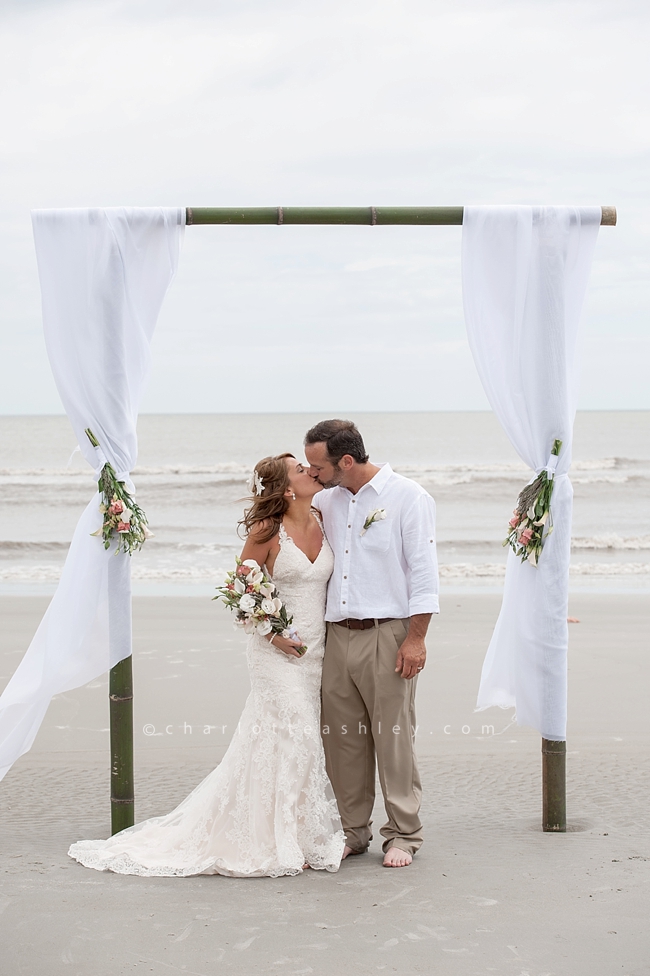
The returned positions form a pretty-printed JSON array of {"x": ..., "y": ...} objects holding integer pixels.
[{"x": 255, "y": 484}]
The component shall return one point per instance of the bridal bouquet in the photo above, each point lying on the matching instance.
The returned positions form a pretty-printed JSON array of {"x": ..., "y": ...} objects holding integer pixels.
[
  {"x": 531, "y": 521},
  {"x": 122, "y": 517},
  {"x": 249, "y": 592}
]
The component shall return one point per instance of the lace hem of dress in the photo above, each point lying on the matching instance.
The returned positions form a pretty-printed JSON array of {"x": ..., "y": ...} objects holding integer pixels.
[{"x": 90, "y": 855}]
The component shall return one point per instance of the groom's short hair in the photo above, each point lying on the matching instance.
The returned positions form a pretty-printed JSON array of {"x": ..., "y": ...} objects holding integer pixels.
[{"x": 340, "y": 437}]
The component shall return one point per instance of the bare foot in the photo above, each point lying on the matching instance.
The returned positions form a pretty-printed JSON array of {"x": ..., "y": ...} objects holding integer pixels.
[
  {"x": 572, "y": 620},
  {"x": 394, "y": 858},
  {"x": 305, "y": 866},
  {"x": 347, "y": 850}
]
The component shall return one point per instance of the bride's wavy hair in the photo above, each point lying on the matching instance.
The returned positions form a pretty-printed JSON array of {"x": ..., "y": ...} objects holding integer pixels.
[{"x": 270, "y": 481}]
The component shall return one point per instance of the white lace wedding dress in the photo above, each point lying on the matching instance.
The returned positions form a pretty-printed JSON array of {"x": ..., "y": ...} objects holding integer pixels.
[{"x": 268, "y": 808}]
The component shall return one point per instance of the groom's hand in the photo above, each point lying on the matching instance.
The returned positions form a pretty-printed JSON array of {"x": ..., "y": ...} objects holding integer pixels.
[{"x": 411, "y": 657}]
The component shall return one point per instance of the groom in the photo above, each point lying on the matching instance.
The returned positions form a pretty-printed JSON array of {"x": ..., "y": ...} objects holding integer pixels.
[{"x": 380, "y": 598}]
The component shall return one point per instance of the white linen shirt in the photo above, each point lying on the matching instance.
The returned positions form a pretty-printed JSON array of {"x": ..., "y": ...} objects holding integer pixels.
[{"x": 392, "y": 569}]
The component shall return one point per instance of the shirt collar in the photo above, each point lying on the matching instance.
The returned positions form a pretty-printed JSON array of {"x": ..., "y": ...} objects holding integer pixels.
[{"x": 380, "y": 480}]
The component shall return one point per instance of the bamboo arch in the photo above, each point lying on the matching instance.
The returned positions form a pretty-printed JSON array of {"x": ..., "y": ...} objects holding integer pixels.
[{"x": 121, "y": 677}]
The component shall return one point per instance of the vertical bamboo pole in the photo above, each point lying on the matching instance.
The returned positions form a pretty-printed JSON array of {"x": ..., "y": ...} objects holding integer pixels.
[
  {"x": 120, "y": 692},
  {"x": 121, "y": 714},
  {"x": 553, "y": 786}
]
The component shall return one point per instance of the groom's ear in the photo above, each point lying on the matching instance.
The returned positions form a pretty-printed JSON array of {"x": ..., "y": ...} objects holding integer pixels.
[{"x": 346, "y": 462}]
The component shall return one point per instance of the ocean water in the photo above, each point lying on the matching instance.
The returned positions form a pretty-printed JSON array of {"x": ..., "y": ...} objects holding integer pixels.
[{"x": 192, "y": 470}]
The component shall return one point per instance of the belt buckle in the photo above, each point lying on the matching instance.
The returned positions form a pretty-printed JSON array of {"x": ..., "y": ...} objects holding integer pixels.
[{"x": 368, "y": 623}]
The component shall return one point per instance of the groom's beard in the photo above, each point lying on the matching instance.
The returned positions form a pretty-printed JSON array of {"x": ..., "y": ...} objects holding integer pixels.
[{"x": 334, "y": 482}]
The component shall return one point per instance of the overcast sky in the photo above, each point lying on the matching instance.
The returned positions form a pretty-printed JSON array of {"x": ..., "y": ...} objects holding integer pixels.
[{"x": 351, "y": 102}]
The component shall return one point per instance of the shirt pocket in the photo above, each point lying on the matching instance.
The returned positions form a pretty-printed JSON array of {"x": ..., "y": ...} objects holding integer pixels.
[{"x": 377, "y": 536}]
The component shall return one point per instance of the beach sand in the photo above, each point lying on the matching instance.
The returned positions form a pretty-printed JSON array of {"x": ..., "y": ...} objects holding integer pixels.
[{"x": 489, "y": 893}]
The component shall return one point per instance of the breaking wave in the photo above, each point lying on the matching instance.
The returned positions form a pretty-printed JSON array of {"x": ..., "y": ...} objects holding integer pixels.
[
  {"x": 593, "y": 471},
  {"x": 448, "y": 571}
]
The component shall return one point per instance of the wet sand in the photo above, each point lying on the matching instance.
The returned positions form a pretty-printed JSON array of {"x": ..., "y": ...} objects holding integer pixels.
[{"x": 488, "y": 893}]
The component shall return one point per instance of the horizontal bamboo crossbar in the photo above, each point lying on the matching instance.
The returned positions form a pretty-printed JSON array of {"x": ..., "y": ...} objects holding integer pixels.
[{"x": 341, "y": 215}]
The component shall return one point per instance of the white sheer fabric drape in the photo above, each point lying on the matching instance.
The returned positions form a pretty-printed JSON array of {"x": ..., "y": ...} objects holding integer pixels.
[
  {"x": 525, "y": 274},
  {"x": 104, "y": 274}
]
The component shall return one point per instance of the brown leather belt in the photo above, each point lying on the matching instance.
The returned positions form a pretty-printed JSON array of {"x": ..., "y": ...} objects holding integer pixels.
[{"x": 366, "y": 624}]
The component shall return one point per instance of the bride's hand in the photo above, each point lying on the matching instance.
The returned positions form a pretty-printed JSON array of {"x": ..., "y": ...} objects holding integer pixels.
[{"x": 286, "y": 644}]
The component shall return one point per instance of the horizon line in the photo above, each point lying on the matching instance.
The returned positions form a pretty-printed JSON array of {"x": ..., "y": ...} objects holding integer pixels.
[{"x": 294, "y": 413}]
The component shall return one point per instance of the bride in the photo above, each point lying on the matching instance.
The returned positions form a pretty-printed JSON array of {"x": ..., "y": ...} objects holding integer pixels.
[{"x": 268, "y": 808}]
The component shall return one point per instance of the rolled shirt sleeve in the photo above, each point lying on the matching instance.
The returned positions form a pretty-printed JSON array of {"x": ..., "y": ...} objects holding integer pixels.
[{"x": 419, "y": 551}]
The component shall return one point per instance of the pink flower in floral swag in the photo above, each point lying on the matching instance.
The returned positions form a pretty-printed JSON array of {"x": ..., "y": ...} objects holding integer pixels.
[
  {"x": 123, "y": 526},
  {"x": 515, "y": 520},
  {"x": 116, "y": 508},
  {"x": 526, "y": 537}
]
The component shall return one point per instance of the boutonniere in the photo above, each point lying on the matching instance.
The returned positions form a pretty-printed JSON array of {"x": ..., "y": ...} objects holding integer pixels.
[{"x": 375, "y": 516}]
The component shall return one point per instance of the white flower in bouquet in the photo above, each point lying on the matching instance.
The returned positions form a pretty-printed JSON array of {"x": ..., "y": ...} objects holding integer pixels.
[
  {"x": 264, "y": 628},
  {"x": 267, "y": 589},
  {"x": 248, "y": 625},
  {"x": 247, "y": 603},
  {"x": 254, "y": 576},
  {"x": 240, "y": 586},
  {"x": 268, "y": 606}
]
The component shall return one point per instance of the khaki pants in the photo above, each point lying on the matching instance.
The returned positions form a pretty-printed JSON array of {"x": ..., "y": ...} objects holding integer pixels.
[{"x": 369, "y": 710}]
